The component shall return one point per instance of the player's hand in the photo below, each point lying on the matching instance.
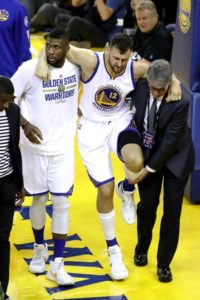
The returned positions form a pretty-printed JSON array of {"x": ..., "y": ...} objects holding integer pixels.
[
  {"x": 175, "y": 92},
  {"x": 143, "y": 173},
  {"x": 20, "y": 197},
  {"x": 33, "y": 133}
]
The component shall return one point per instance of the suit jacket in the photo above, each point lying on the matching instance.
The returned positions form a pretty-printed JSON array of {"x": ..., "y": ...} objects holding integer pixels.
[
  {"x": 173, "y": 147},
  {"x": 153, "y": 45},
  {"x": 13, "y": 114}
]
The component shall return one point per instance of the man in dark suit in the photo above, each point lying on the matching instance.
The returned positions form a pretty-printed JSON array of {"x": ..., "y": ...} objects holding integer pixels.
[
  {"x": 169, "y": 157},
  {"x": 11, "y": 180}
]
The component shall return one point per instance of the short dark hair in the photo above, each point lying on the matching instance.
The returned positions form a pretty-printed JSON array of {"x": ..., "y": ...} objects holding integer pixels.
[
  {"x": 57, "y": 33},
  {"x": 121, "y": 41},
  {"x": 6, "y": 85}
]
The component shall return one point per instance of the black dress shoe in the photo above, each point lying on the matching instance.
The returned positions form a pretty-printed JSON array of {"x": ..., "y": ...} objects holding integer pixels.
[
  {"x": 164, "y": 274},
  {"x": 140, "y": 259}
]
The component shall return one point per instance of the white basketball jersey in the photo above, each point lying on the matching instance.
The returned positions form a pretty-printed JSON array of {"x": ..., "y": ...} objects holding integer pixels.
[
  {"x": 103, "y": 98},
  {"x": 51, "y": 106}
]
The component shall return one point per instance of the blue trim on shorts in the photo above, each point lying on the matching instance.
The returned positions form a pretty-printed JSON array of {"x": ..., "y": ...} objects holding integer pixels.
[
  {"x": 131, "y": 128},
  {"x": 98, "y": 183},
  {"x": 35, "y": 194},
  {"x": 69, "y": 193}
]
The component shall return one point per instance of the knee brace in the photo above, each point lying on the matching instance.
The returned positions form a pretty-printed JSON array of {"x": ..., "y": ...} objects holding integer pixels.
[
  {"x": 60, "y": 216},
  {"x": 108, "y": 224},
  {"x": 38, "y": 211}
]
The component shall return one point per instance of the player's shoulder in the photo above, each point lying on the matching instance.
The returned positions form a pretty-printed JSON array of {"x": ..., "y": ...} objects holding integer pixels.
[
  {"x": 71, "y": 67},
  {"x": 26, "y": 67},
  {"x": 29, "y": 65},
  {"x": 180, "y": 104},
  {"x": 183, "y": 102}
]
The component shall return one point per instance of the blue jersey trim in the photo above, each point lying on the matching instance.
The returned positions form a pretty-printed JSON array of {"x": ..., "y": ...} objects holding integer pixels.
[
  {"x": 132, "y": 74},
  {"x": 94, "y": 72}
]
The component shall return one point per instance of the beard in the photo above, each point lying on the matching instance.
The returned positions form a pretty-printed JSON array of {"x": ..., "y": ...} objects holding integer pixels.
[{"x": 115, "y": 69}]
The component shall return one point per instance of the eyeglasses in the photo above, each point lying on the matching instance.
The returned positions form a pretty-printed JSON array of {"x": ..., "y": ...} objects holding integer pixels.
[{"x": 159, "y": 90}]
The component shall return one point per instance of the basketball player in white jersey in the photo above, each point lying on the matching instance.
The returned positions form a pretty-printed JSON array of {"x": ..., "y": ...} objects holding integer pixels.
[
  {"x": 104, "y": 126},
  {"x": 48, "y": 166}
]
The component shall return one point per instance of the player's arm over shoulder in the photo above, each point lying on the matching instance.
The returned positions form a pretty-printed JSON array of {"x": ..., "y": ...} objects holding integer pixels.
[
  {"x": 85, "y": 58},
  {"x": 140, "y": 69}
]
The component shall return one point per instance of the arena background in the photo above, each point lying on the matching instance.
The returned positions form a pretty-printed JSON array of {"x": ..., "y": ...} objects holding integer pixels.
[{"x": 86, "y": 259}]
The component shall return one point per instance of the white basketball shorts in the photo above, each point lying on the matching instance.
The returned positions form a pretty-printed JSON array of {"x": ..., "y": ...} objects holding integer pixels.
[
  {"x": 52, "y": 173},
  {"x": 96, "y": 140}
]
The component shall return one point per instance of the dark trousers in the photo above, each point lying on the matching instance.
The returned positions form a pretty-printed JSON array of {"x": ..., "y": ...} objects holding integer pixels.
[
  {"x": 32, "y": 6},
  {"x": 79, "y": 29},
  {"x": 7, "y": 207},
  {"x": 149, "y": 190},
  {"x": 46, "y": 15}
]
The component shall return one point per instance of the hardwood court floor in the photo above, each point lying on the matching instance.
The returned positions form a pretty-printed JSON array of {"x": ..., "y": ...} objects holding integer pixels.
[{"x": 86, "y": 258}]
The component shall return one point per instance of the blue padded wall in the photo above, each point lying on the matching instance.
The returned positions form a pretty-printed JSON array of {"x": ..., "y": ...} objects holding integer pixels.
[
  {"x": 186, "y": 65},
  {"x": 193, "y": 186},
  {"x": 186, "y": 48}
]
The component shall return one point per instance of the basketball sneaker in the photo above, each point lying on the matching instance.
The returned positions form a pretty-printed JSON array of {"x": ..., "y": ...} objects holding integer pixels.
[
  {"x": 118, "y": 269},
  {"x": 37, "y": 264},
  {"x": 128, "y": 209},
  {"x": 57, "y": 273}
]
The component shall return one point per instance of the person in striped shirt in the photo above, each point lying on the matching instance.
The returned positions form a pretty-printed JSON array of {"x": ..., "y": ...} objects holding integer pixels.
[{"x": 11, "y": 179}]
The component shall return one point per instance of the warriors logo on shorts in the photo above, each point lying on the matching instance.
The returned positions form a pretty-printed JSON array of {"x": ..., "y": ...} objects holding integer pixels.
[{"x": 107, "y": 97}]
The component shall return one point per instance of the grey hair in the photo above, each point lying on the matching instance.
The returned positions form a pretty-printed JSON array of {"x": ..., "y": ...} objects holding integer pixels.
[
  {"x": 146, "y": 5},
  {"x": 159, "y": 73}
]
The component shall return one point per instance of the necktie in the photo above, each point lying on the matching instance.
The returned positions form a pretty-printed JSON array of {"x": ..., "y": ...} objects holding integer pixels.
[
  {"x": 150, "y": 126},
  {"x": 152, "y": 116}
]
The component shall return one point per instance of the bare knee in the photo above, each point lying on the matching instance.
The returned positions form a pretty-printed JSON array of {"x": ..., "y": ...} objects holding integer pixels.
[
  {"x": 132, "y": 157},
  {"x": 105, "y": 191},
  {"x": 105, "y": 197},
  {"x": 135, "y": 164}
]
